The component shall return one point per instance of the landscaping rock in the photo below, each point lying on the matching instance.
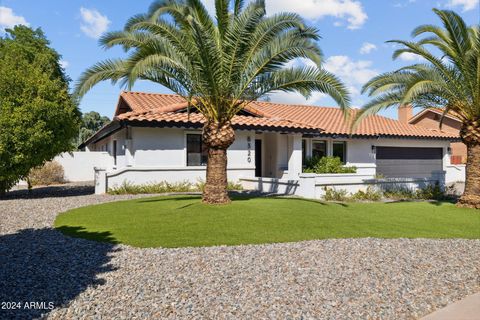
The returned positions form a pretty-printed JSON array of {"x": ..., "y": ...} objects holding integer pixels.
[{"x": 328, "y": 279}]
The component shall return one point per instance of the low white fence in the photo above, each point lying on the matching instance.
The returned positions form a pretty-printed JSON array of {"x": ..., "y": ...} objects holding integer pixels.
[
  {"x": 312, "y": 186},
  {"x": 105, "y": 180},
  {"x": 455, "y": 173},
  {"x": 79, "y": 166}
]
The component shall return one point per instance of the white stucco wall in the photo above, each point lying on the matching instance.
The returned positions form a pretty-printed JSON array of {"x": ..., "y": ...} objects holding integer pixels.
[
  {"x": 79, "y": 166},
  {"x": 152, "y": 155}
]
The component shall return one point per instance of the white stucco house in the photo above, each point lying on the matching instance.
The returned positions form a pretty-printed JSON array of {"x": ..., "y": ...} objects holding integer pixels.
[{"x": 153, "y": 138}]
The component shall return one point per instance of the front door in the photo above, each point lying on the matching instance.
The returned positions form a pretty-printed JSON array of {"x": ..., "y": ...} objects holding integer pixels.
[{"x": 258, "y": 158}]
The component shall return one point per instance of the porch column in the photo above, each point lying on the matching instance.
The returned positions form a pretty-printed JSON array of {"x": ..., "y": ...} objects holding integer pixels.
[{"x": 295, "y": 156}]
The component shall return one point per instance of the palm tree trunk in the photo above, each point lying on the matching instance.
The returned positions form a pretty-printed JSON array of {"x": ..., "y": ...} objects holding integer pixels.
[
  {"x": 471, "y": 196},
  {"x": 215, "y": 191},
  {"x": 217, "y": 137}
]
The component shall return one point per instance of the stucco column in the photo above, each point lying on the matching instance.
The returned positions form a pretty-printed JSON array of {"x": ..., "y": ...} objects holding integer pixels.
[
  {"x": 100, "y": 180},
  {"x": 295, "y": 156}
]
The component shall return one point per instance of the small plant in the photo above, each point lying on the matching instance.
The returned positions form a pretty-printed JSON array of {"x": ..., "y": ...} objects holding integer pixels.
[
  {"x": 50, "y": 173},
  {"x": 332, "y": 194},
  {"x": 431, "y": 192},
  {"x": 326, "y": 165},
  {"x": 370, "y": 194},
  {"x": 232, "y": 186},
  {"x": 399, "y": 193},
  {"x": 128, "y": 187},
  {"x": 152, "y": 188}
]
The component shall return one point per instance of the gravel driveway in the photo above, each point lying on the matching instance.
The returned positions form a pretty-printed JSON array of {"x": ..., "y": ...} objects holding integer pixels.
[{"x": 328, "y": 279}]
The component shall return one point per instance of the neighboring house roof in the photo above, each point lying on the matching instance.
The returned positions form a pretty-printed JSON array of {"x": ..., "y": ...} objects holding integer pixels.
[
  {"x": 167, "y": 110},
  {"x": 424, "y": 112}
]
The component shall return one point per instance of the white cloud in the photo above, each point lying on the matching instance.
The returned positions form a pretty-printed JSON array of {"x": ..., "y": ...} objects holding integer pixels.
[
  {"x": 367, "y": 47},
  {"x": 465, "y": 4},
  {"x": 93, "y": 22},
  {"x": 349, "y": 10},
  {"x": 8, "y": 19},
  {"x": 64, "y": 64},
  {"x": 408, "y": 56},
  {"x": 353, "y": 73}
]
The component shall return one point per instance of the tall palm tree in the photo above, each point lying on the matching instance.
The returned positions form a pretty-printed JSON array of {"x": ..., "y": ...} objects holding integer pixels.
[
  {"x": 218, "y": 65},
  {"x": 449, "y": 81}
]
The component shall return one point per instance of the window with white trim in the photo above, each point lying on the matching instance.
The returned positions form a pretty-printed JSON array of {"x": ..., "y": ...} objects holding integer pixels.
[
  {"x": 339, "y": 150},
  {"x": 197, "y": 154},
  {"x": 319, "y": 148}
]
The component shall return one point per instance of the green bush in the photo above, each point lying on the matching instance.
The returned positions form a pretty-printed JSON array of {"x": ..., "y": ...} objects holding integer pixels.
[
  {"x": 399, "y": 194},
  {"x": 430, "y": 192},
  {"x": 332, "y": 194},
  {"x": 231, "y": 186},
  {"x": 371, "y": 194},
  {"x": 152, "y": 188},
  {"x": 128, "y": 187},
  {"x": 50, "y": 173},
  {"x": 326, "y": 165}
]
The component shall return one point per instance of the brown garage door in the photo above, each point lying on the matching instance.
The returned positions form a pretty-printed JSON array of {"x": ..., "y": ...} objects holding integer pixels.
[{"x": 397, "y": 162}]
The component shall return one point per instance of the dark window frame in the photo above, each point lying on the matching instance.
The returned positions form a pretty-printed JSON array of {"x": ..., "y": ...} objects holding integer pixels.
[
  {"x": 202, "y": 148},
  {"x": 344, "y": 156},
  {"x": 114, "y": 152},
  {"x": 325, "y": 142}
]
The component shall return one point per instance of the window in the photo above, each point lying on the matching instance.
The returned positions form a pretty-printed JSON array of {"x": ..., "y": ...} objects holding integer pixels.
[
  {"x": 114, "y": 152},
  {"x": 319, "y": 148},
  {"x": 304, "y": 150},
  {"x": 340, "y": 150},
  {"x": 196, "y": 151}
]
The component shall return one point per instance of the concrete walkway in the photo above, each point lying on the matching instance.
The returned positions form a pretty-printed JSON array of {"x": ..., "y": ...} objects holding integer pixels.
[{"x": 466, "y": 309}]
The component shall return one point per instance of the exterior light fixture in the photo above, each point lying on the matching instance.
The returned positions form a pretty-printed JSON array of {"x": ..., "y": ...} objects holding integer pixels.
[{"x": 374, "y": 149}]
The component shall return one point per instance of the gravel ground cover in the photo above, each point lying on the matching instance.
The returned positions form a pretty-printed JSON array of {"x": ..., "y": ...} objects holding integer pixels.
[{"x": 328, "y": 279}]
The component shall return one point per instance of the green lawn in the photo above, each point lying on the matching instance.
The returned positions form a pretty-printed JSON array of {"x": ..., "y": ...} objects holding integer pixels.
[{"x": 183, "y": 221}]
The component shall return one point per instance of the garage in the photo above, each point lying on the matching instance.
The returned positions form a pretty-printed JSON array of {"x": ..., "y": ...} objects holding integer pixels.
[{"x": 399, "y": 162}]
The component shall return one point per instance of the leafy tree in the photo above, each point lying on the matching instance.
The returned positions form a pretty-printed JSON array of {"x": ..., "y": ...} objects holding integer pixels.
[
  {"x": 217, "y": 64},
  {"x": 91, "y": 122},
  {"x": 449, "y": 81},
  {"x": 38, "y": 118}
]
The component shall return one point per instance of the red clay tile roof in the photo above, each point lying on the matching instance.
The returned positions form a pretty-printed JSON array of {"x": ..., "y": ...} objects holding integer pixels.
[
  {"x": 333, "y": 122},
  {"x": 239, "y": 121},
  {"x": 419, "y": 115},
  {"x": 165, "y": 107}
]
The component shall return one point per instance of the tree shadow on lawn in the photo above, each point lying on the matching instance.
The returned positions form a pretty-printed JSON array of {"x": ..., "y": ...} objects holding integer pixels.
[
  {"x": 59, "y": 191},
  {"x": 241, "y": 197},
  {"x": 437, "y": 203},
  {"x": 42, "y": 265}
]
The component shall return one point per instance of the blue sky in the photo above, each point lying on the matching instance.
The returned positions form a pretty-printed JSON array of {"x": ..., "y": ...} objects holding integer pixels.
[{"x": 353, "y": 36}]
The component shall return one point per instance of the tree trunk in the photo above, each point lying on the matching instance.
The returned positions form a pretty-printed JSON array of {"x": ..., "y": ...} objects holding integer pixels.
[
  {"x": 215, "y": 191},
  {"x": 471, "y": 196},
  {"x": 217, "y": 137}
]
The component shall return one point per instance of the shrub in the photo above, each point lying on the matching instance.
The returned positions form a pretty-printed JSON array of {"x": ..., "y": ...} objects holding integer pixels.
[
  {"x": 128, "y": 187},
  {"x": 231, "y": 186},
  {"x": 399, "y": 194},
  {"x": 50, "y": 173},
  {"x": 327, "y": 165},
  {"x": 431, "y": 192},
  {"x": 371, "y": 194},
  {"x": 332, "y": 194}
]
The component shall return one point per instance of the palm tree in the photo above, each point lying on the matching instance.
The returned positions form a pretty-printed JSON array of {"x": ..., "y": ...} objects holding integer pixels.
[
  {"x": 217, "y": 64},
  {"x": 450, "y": 82}
]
